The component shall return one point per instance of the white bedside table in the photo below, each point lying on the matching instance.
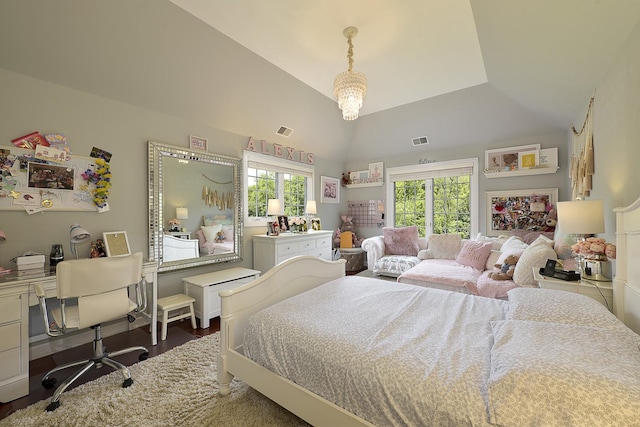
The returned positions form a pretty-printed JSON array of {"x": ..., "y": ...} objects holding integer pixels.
[
  {"x": 180, "y": 234},
  {"x": 599, "y": 291}
]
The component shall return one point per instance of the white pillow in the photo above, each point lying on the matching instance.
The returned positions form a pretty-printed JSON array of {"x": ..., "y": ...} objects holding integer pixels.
[
  {"x": 496, "y": 241},
  {"x": 513, "y": 243},
  {"x": 535, "y": 256},
  {"x": 444, "y": 246},
  {"x": 210, "y": 232}
]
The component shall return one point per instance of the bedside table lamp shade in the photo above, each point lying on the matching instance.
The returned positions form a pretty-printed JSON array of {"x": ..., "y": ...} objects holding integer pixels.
[
  {"x": 182, "y": 213},
  {"x": 581, "y": 217}
]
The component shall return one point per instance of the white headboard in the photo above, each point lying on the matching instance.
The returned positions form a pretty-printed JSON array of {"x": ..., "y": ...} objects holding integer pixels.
[{"x": 626, "y": 284}]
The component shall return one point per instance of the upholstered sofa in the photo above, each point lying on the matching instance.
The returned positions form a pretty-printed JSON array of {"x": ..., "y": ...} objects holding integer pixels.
[{"x": 452, "y": 263}]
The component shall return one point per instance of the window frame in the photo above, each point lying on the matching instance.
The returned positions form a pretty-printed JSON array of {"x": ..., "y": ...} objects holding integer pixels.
[
  {"x": 280, "y": 166},
  {"x": 421, "y": 171}
]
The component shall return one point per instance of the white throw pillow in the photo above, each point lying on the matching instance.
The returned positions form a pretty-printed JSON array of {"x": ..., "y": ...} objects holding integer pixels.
[
  {"x": 210, "y": 231},
  {"x": 444, "y": 246},
  {"x": 513, "y": 243},
  {"x": 535, "y": 256}
]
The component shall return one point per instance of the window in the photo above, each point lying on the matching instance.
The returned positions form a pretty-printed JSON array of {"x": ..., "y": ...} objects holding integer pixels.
[
  {"x": 274, "y": 178},
  {"x": 438, "y": 198}
]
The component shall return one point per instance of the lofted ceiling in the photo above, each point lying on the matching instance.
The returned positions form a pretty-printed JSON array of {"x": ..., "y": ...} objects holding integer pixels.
[{"x": 460, "y": 72}]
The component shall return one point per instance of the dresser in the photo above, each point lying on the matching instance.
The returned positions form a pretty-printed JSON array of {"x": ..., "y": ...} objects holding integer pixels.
[{"x": 271, "y": 250}]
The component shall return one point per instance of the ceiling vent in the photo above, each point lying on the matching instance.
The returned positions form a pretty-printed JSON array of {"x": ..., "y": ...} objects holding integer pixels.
[
  {"x": 421, "y": 140},
  {"x": 284, "y": 131}
]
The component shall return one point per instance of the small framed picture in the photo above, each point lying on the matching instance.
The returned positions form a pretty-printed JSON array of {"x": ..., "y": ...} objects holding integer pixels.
[
  {"x": 330, "y": 188},
  {"x": 376, "y": 171},
  {"x": 315, "y": 224},
  {"x": 273, "y": 228},
  {"x": 197, "y": 143},
  {"x": 529, "y": 159},
  {"x": 283, "y": 223},
  {"x": 116, "y": 243}
]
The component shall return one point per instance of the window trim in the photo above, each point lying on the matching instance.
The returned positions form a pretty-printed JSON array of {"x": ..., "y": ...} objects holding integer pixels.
[
  {"x": 278, "y": 165},
  {"x": 428, "y": 171}
]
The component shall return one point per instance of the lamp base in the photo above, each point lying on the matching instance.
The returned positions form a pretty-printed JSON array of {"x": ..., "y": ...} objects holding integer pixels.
[{"x": 598, "y": 270}]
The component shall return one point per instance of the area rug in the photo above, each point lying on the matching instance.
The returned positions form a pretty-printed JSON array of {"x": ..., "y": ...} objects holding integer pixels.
[{"x": 176, "y": 388}]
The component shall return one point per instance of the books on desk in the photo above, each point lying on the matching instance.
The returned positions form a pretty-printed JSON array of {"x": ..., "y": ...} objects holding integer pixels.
[
  {"x": 30, "y": 262},
  {"x": 30, "y": 273}
]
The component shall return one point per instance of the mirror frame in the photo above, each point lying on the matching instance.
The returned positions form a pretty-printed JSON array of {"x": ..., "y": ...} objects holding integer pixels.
[{"x": 157, "y": 152}]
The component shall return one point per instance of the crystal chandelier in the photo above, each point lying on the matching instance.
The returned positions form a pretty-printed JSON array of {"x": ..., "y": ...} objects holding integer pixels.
[{"x": 350, "y": 87}]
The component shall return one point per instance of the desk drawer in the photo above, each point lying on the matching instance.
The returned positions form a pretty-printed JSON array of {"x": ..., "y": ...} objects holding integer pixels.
[
  {"x": 10, "y": 309},
  {"x": 288, "y": 248},
  {"x": 9, "y": 363},
  {"x": 9, "y": 336}
]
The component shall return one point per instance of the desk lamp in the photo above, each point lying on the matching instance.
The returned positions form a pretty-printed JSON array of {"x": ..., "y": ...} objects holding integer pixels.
[
  {"x": 78, "y": 235},
  {"x": 583, "y": 218},
  {"x": 310, "y": 210}
]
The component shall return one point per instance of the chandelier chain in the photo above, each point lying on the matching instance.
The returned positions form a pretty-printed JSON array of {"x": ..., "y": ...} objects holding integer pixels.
[{"x": 350, "y": 53}]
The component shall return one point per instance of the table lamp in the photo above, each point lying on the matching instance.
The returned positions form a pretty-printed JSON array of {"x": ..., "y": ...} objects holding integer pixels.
[
  {"x": 310, "y": 210},
  {"x": 182, "y": 213},
  {"x": 273, "y": 208},
  {"x": 77, "y": 235},
  {"x": 583, "y": 218}
]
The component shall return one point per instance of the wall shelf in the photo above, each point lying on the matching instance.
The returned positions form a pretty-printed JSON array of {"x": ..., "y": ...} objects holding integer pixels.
[
  {"x": 522, "y": 172},
  {"x": 366, "y": 184}
]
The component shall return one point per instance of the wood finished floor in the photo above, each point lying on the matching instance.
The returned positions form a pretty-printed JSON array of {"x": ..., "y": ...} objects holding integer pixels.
[{"x": 179, "y": 332}]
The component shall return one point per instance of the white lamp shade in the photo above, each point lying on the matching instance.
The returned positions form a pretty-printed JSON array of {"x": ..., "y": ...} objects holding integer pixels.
[
  {"x": 78, "y": 234},
  {"x": 182, "y": 213},
  {"x": 311, "y": 207},
  {"x": 273, "y": 207},
  {"x": 581, "y": 217}
]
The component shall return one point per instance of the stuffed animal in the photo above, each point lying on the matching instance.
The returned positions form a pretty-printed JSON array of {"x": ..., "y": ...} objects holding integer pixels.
[
  {"x": 506, "y": 269},
  {"x": 220, "y": 237},
  {"x": 347, "y": 225}
]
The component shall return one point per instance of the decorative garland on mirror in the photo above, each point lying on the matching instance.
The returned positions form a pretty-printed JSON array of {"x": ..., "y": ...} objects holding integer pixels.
[
  {"x": 212, "y": 198},
  {"x": 582, "y": 161}
]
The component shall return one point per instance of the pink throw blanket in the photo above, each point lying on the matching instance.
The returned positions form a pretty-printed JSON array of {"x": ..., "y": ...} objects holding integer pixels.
[{"x": 444, "y": 271}]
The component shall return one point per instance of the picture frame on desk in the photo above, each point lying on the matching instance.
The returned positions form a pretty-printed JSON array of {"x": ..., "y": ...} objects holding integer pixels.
[
  {"x": 116, "y": 243},
  {"x": 315, "y": 224},
  {"x": 283, "y": 223}
]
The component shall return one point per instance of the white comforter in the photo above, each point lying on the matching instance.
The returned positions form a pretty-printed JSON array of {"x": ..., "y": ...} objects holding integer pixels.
[
  {"x": 397, "y": 354},
  {"x": 342, "y": 341}
]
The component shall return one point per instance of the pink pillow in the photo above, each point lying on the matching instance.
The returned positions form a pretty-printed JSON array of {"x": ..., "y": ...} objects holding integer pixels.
[
  {"x": 401, "y": 241},
  {"x": 474, "y": 254}
]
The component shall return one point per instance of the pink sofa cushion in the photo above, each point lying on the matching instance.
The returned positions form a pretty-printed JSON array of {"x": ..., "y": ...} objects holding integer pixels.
[
  {"x": 401, "y": 241},
  {"x": 474, "y": 254}
]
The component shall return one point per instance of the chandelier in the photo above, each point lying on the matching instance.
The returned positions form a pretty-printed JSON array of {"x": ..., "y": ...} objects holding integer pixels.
[{"x": 350, "y": 87}]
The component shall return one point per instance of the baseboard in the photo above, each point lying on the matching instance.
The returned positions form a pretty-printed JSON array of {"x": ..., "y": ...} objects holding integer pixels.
[{"x": 43, "y": 345}]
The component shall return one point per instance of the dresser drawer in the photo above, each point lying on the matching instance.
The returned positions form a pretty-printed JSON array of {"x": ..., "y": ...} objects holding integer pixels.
[
  {"x": 306, "y": 245},
  {"x": 287, "y": 248},
  {"x": 9, "y": 336},
  {"x": 10, "y": 309},
  {"x": 324, "y": 253},
  {"x": 323, "y": 243}
]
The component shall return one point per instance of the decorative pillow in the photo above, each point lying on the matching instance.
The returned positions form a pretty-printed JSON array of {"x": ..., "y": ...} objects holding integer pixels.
[
  {"x": 424, "y": 254},
  {"x": 444, "y": 246},
  {"x": 401, "y": 241},
  {"x": 504, "y": 255},
  {"x": 512, "y": 244},
  {"x": 560, "y": 374},
  {"x": 535, "y": 256},
  {"x": 228, "y": 232},
  {"x": 210, "y": 232},
  {"x": 497, "y": 241},
  {"x": 548, "y": 305},
  {"x": 529, "y": 236},
  {"x": 474, "y": 254},
  {"x": 394, "y": 265},
  {"x": 492, "y": 260}
]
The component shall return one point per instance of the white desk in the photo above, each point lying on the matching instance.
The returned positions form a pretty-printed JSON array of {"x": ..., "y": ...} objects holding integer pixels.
[{"x": 16, "y": 295}]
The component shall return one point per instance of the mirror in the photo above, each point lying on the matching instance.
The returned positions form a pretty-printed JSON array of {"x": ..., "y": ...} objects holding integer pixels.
[{"x": 189, "y": 189}]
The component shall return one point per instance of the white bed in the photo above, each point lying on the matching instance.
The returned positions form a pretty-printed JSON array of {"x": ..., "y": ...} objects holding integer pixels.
[
  {"x": 541, "y": 358},
  {"x": 175, "y": 248}
]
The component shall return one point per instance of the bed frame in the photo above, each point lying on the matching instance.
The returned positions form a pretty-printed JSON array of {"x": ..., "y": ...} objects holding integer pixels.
[
  {"x": 626, "y": 283},
  {"x": 287, "y": 279},
  {"x": 302, "y": 273}
]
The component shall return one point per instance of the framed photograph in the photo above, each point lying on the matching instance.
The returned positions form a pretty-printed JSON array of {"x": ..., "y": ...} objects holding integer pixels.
[
  {"x": 52, "y": 177},
  {"x": 273, "y": 228},
  {"x": 549, "y": 157},
  {"x": 197, "y": 143},
  {"x": 504, "y": 159},
  {"x": 116, "y": 243},
  {"x": 283, "y": 223},
  {"x": 376, "y": 172},
  {"x": 315, "y": 224},
  {"x": 519, "y": 209},
  {"x": 529, "y": 159},
  {"x": 330, "y": 188}
]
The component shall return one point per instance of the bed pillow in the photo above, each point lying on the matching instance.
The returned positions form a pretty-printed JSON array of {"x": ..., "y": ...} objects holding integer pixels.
[
  {"x": 548, "y": 305},
  {"x": 444, "y": 246},
  {"x": 228, "y": 231},
  {"x": 210, "y": 232},
  {"x": 560, "y": 374},
  {"x": 474, "y": 254},
  {"x": 513, "y": 243},
  {"x": 535, "y": 256},
  {"x": 401, "y": 241}
]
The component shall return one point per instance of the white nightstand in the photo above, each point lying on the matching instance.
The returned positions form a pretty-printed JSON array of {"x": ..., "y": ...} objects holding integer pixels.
[{"x": 599, "y": 291}]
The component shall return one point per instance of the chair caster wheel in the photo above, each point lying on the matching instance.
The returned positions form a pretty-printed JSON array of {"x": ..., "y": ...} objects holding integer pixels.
[
  {"x": 53, "y": 406},
  {"x": 130, "y": 318},
  {"x": 143, "y": 356},
  {"x": 127, "y": 382},
  {"x": 49, "y": 383}
]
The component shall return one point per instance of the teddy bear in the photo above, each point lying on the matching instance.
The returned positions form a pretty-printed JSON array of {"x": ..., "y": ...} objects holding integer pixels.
[
  {"x": 220, "y": 237},
  {"x": 347, "y": 225},
  {"x": 506, "y": 269}
]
